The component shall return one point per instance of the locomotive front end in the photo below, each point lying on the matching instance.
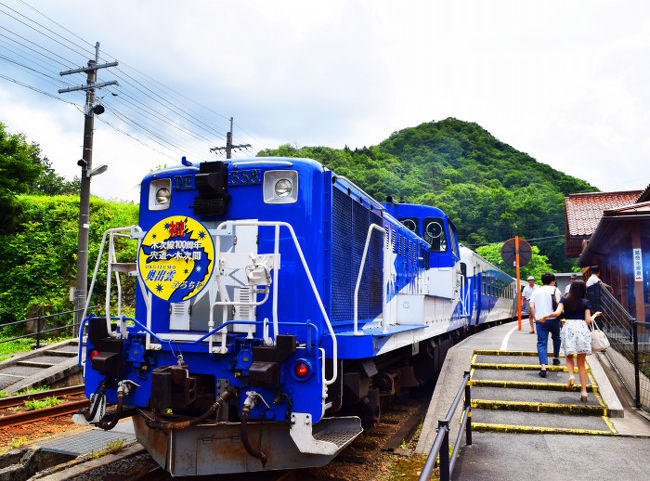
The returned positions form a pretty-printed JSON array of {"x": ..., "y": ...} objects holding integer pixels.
[{"x": 223, "y": 367}]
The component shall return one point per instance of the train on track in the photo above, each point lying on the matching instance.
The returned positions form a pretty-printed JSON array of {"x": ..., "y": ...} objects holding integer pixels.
[{"x": 277, "y": 305}]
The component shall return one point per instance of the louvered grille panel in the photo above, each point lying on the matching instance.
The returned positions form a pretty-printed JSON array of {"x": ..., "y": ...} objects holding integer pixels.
[{"x": 350, "y": 223}]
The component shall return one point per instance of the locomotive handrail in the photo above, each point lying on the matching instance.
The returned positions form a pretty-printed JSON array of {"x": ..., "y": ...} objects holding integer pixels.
[
  {"x": 371, "y": 228},
  {"x": 114, "y": 230},
  {"x": 277, "y": 225}
]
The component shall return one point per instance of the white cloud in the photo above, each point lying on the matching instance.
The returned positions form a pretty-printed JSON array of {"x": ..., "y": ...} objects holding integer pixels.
[{"x": 563, "y": 81}]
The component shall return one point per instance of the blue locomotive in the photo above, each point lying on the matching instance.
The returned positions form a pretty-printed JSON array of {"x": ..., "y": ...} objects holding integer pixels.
[{"x": 277, "y": 305}]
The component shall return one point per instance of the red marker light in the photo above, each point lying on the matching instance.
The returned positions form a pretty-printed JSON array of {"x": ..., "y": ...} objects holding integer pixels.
[
  {"x": 92, "y": 354},
  {"x": 302, "y": 370}
]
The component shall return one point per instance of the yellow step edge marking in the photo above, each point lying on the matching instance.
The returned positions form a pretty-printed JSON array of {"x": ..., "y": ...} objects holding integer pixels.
[
  {"x": 521, "y": 367},
  {"x": 488, "y": 352},
  {"x": 551, "y": 386},
  {"x": 598, "y": 396},
  {"x": 514, "y": 428},
  {"x": 609, "y": 423},
  {"x": 532, "y": 406},
  {"x": 471, "y": 371}
]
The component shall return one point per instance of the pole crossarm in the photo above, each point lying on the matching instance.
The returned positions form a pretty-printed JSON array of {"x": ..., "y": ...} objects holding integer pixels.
[
  {"x": 88, "y": 87},
  {"x": 89, "y": 68}
]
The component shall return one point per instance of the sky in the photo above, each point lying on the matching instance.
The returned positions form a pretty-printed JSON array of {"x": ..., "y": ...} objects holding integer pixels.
[{"x": 565, "y": 81}]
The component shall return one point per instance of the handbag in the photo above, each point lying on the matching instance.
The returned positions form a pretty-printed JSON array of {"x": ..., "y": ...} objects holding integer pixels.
[{"x": 599, "y": 341}]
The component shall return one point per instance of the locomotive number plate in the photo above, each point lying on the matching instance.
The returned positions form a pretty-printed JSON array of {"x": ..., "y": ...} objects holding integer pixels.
[{"x": 241, "y": 178}]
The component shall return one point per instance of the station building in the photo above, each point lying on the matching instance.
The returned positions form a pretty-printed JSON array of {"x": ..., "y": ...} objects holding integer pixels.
[{"x": 612, "y": 230}]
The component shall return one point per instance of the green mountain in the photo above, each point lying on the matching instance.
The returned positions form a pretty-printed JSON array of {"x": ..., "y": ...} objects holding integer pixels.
[{"x": 491, "y": 190}]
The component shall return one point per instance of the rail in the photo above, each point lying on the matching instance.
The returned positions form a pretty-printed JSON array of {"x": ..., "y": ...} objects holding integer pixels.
[
  {"x": 441, "y": 443},
  {"x": 39, "y": 324},
  {"x": 630, "y": 342}
]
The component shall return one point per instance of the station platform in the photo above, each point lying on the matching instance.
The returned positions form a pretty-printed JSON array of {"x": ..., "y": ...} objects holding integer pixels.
[{"x": 533, "y": 428}]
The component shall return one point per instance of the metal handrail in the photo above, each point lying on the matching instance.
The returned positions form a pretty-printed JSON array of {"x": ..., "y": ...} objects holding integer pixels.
[
  {"x": 441, "y": 443},
  {"x": 40, "y": 331},
  {"x": 372, "y": 228}
]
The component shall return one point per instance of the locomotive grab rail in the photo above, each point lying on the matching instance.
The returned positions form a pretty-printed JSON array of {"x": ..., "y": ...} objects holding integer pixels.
[
  {"x": 356, "y": 287},
  {"x": 278, "y": 225},
  {"x": 133, "y": 229}
]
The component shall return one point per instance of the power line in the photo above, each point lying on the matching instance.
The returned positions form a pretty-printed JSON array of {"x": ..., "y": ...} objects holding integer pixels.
[
  {"x": 33, "y": 70},
  {"x": 82, "y": 54},
  {"x": 36, "y": 89},
  {"x": 67, "y": 61}
]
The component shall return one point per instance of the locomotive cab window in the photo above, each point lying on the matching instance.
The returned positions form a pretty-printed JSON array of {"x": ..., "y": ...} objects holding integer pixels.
[
  {"x": 434, "y": 234},
  {"x": 411, "y": 223}
]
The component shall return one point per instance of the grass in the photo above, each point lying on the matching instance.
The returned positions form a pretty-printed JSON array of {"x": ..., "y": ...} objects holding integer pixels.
[
  {"x": 32, "y": 390},
  {"x": 17, "y": 442},
  {"x": 19, "y": 345},
  {"x": 42, "y": 403},
  {"x": 111, "y": 448}
]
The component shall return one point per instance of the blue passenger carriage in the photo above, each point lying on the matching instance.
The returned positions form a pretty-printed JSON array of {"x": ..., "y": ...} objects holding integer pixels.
[{"x": 277, "y": 305}]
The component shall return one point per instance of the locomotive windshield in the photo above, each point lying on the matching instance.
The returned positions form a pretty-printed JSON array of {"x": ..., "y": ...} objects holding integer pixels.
[
  {"x": 411, "y": 223},
  {"x": 434, "y": 234}
]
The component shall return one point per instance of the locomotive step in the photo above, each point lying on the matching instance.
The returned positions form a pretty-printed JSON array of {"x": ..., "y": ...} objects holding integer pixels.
[{"x": 541, "y": 423}]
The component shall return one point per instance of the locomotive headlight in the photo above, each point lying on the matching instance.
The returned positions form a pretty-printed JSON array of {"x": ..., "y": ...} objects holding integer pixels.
[
  {"x": 283, "y": 187},
  {"x": 160, "y": 194},
  {"x": 280, "y": 187},
  {"x": 163, "y": 195}
]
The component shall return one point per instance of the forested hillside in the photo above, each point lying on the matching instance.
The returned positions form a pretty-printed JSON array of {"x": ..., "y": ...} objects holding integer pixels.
[
  {"x": 491, "y": 190},
  {"x": 39, "y": 257}
]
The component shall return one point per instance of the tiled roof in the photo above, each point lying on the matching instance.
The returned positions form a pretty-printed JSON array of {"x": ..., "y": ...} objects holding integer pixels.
[
  {"x": 645, "y": 195},
  {"x": 583, "y": 211},
  {"x": 638, "y": 208}
]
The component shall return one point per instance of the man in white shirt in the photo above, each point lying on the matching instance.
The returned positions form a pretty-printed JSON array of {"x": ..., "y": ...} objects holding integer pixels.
[
  {"x": 593, "y": 289},
  {"x": 541, "y": 304},
  {"x": 526, "y": 294},
  {"x": 574, "y": 276}
]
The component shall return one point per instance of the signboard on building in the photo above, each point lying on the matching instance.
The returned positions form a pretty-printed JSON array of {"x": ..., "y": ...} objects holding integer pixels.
[{"x": 638, "y": 265}]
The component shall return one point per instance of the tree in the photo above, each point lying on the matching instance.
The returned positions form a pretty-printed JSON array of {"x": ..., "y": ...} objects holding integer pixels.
[{"x": 24, "y": 170}]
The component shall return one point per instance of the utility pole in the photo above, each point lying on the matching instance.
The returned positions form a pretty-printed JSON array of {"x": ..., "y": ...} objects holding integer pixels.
[
  {"x": 229, "y": 147},
  {"x": 86, "y": 173}
]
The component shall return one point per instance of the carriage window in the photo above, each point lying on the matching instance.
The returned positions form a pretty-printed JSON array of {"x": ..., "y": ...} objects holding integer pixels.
[
  {"x": 434, "y": 234},
  {"x": 452, "y": 239},
  {"x": 411, "y": 223}
]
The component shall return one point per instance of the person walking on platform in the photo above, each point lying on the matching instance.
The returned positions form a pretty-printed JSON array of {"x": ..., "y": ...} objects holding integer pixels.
[
  {"x": 576, "y": 338},
  {"x": 572, "y": 279},
  {"x": 593, "y": 287},
  {"x": 542, "y": 303},
  {"x": 526, "y": 294}
]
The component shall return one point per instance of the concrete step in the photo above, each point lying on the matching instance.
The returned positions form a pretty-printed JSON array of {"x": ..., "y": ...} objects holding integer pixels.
[
  {"x": 533, "y": 360},
  {"x": 62, "y": 353},
  {"x": 567, "y": 398},
  {"x": 522, "y": 367},
  {"x": 541, "y": 423},
  {"x": 525, "y": 375},
  {"x": 550, "y": 386},
  {"x": 31, "y": 363},
  {"x": 8, "y": 380},
  {"x": 17, "y": 370}
]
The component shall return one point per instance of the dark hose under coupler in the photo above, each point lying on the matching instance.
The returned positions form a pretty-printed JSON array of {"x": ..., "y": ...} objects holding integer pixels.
[{"x": 244, "y": 437}]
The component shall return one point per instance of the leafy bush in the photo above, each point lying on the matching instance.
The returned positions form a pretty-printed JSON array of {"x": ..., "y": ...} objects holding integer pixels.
[{"x": 40, "y": 256}]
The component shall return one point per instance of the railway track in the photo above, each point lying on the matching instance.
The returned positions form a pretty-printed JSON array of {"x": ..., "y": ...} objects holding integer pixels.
[{"x": 67, "y": 407}]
